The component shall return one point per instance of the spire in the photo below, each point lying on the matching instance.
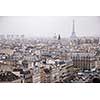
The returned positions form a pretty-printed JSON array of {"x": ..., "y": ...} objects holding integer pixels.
[{"x": 59, "y": 37}]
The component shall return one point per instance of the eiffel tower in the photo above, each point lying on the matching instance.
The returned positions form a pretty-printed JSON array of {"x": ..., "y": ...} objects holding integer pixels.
[{"x": 73, "y": 35}]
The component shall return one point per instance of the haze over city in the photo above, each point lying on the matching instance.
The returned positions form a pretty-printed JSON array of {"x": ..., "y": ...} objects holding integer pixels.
[
  {"x": 37, "y": 50},
  {"x": 46, "y": 26}
]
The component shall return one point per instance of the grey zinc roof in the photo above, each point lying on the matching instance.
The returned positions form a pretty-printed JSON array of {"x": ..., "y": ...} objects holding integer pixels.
[{"x": 83, "y": 54}]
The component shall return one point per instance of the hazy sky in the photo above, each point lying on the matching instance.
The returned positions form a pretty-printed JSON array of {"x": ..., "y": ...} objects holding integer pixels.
[{"x": 46, "y": 26}]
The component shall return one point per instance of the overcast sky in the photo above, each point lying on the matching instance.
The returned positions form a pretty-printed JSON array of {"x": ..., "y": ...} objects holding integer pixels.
[{"x": 46, "y": 26}]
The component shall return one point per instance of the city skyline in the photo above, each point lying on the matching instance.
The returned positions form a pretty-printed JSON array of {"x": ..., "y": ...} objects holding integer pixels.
[
  {"x": 49, "y": 60},
  {"x": 47, "y": 26}
]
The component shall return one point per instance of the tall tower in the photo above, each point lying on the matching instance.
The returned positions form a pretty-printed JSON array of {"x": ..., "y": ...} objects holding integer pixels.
[
  {"x": 73, "y": 35},
  {"x": 59, "y": 37}
]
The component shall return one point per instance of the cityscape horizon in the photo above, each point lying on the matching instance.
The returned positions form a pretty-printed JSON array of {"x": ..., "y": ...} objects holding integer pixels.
[
  {"x": 63, "y": 56},
  {"x": 47, "y": 26}
]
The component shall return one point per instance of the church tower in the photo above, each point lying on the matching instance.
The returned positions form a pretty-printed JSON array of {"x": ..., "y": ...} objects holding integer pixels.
[{"x": 59, "y": 37}]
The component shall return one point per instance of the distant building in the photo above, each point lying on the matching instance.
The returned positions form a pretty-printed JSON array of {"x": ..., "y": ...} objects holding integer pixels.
[{"x": 85, "y": 61}]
